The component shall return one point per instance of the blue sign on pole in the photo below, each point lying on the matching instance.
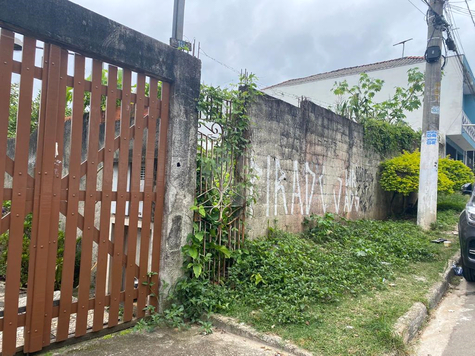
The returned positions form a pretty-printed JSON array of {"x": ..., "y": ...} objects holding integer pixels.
[{"x": 431, "y": 137}]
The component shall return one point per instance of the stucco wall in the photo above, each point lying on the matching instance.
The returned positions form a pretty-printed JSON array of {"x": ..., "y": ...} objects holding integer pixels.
[
  {"x": 309, "y": 160},
  {"x": 320, "y": 92}
]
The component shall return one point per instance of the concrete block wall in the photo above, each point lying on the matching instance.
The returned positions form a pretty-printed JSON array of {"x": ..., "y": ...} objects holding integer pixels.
[{"x": 309, "y": 160}]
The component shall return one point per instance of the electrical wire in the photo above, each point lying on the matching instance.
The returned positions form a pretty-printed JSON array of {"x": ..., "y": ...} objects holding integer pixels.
[
  {"x": 470, "y": 12},
  {"x": 422, "y": 12}
]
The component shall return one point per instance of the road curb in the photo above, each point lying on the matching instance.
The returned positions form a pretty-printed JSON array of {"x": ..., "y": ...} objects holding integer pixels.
[
  {"x": 233, "y": 326},
  {"x": 410, "y": 323}
]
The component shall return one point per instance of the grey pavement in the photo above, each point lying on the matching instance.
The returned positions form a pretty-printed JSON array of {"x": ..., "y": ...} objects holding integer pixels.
[
  {"x": 451, "y": 328},
  {"x": 170, "y": 342}
]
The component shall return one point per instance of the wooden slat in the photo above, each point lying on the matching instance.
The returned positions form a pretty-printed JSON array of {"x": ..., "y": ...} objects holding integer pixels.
[
  {"x": 147, "y": 204},
  {"x": 45, "y": 230},
  {"x": 70, "y": 237},
  {"x": 117, "y": 270},
  {"x": 100, "y": 158},
  {"x": 134, "y": 202},
  {"x": 38, "y": 73},
  {"x": 96, "y": 233},
  {"x": 90, "y": 203},
  {"x": 107, "y": 174},
  {"x": 56, "y": 309},
  {"x": 160, "y": 190},
  {"x": 15, "y": 240},
  {"x": 58, "y": 168},
  {"x": 36, "y": 200},
  {"x": 9, "y": 168}
]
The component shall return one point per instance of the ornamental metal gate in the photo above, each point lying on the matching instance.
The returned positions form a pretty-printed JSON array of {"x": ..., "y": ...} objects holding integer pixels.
[{"x": 83, "y": 148}]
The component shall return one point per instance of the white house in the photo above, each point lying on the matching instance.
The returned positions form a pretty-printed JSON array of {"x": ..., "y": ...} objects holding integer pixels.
[{"x": 457, "y": 100}]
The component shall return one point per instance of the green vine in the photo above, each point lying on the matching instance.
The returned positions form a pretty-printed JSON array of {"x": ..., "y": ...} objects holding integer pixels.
[{"x": 223, "y": 186}]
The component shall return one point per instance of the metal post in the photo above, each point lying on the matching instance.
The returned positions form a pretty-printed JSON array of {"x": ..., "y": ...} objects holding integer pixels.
[
  {"x": 427, "y": 204},
  {"x": 178, "y": 19}
]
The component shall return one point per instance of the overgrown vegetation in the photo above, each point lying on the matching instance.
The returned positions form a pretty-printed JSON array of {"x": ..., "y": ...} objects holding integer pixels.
[
  {"x": 383, "y": 122},
  {"x": 299, "y": 284}
]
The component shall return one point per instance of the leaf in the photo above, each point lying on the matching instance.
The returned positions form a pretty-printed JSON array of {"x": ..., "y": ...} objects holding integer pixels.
[
  {"x": 202, "y": 211},
  {"x": 197, "y": 270},
  {"x": 199, "y": 235}
]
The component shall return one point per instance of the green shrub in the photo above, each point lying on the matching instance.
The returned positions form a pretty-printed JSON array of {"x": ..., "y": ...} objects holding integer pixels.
[
  {"x": 387, "y": 138},
  {"x": 456, "y": 171},
  {"x": 401, "y": 174}
]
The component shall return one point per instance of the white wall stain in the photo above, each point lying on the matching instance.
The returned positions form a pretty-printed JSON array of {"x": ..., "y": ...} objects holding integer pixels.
[
  {"x": 296, "y": 189},
  {"x": 279, "y": 186},
  {"x": 345, "y": 200}
]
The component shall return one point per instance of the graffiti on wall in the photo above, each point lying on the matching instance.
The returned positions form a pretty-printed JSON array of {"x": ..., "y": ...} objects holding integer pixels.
[{"x": 308, "y": 189}]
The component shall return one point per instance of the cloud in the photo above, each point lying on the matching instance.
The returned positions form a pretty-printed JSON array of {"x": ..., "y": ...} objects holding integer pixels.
[{"x": 279, "y": 40}]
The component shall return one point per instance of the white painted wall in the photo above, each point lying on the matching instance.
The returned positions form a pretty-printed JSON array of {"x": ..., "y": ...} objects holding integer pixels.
[{"x": 320, "y": 92}]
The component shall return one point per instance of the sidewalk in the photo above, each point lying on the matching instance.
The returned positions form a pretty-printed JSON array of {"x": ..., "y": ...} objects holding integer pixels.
[{"x": 169, "y": 342}]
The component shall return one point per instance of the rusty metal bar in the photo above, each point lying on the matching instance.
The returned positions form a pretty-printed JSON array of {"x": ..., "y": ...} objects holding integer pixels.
[
  {"x": 90, "y": 203},
  {"x": 147, "y": 203},
  {"x": 107, "y": 174},
  {"x": 134, "y": 202},
  {"x": 70, "y": 235},
  {"x": 117, "y": 269},
  {"x": 15, "y": 240},
  {"x": 160, "y": 190}
]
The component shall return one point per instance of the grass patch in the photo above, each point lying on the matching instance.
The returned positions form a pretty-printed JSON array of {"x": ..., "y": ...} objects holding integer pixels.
[{"x": 338, "y": 289}]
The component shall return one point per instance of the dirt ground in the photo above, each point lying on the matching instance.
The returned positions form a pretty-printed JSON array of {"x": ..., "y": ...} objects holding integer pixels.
[{"x": 170, "y": 342}]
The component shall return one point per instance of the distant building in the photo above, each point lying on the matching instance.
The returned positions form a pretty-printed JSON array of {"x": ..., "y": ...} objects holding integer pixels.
[{"x": 457, "y": 105}]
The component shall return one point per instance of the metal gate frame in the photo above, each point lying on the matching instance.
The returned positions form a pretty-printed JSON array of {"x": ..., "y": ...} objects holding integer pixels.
[{"x": 47, "y": 193}]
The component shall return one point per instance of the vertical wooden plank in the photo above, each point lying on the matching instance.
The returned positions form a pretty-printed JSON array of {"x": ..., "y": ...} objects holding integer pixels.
[
  {"x": 108, "y": 172},
  {"x": 57, "y": 172},
  {"x": 148, "y": 193},
  {"x": 36, "y": 196},
  {"x": 134, "y": 203},
  {"x": 90, "y": 201},
  {"x": 160, "y": 190},
  {"x": 117, "y": 269},
  {"x": 45, "y": 204},
  {"x": 15, "y": 241},
  {"x": 70, "y": 237}
]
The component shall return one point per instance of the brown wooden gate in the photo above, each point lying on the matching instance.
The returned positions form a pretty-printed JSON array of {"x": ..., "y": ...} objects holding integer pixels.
[{"x": 90, "y": 179}]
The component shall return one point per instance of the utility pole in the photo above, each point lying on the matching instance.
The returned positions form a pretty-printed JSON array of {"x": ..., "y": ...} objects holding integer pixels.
[
  {"x": 427, "y": 202},
  {"x": 177, "y": 28}
]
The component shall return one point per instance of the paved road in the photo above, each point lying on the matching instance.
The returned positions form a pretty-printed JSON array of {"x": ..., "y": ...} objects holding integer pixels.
[{"x": 451, "y": 330}]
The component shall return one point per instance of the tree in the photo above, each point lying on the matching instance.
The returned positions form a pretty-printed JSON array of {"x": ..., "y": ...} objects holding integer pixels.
[
  {"x": 13, "y": 110},
  {"x": 357, "y": 102}
]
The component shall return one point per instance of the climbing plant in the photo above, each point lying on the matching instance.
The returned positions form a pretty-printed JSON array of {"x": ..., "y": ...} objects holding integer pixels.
[{"x": 223, "y": 178}]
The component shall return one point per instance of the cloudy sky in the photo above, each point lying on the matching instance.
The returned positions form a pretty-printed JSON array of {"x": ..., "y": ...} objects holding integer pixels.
[{"x": 279, "y": 40}]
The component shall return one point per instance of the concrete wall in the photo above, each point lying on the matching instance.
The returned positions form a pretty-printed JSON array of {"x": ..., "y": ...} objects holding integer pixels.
[{"x": 310, "y": 161}]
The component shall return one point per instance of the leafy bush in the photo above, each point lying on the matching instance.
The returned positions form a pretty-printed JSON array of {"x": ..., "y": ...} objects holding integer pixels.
[
  {"x": 456, "y": 171},
  {"x": 387, "y": 138},
  {"x": 401, "y": 174}
]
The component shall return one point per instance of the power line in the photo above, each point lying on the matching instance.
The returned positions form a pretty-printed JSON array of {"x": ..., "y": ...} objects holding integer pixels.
[
  {"x": 221, "y": 63},
  {"x": 470, "y": 12},
  {"x": 422, "y": 12}
]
